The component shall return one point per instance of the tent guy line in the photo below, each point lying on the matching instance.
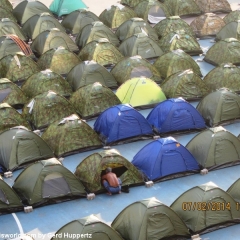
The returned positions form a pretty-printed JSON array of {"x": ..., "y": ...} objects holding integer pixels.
[{"x": 18, "y": 223}]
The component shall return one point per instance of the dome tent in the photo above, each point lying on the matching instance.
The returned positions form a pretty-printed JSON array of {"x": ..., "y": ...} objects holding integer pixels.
[
  {"x": 173, "y": 115},
  {"x": 131, "y": 3},
  {"x": 232, "y": 16},
  {"x": 50, "y": 182},
  {"x": 71, "y": 135},
  {"x": 121, "y": 123},
  {"x": 6, "y": 4},
  {"x": 230, "y": 30},
  {"x": 20, "y": 146},
  {"x": 149, "y": 219},
  {"x": 233, "y": 190},
  {"x": 165, "y": 158},
  {"x": 215, "y": 148},
  {"x": 98, "y": 162},
  {"x": 4, "y": 13}
]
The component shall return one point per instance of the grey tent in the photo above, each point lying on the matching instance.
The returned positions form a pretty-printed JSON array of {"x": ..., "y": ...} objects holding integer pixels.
[
  {"x": 230, "y": 30},
  {"x": 234, "y": 191}
]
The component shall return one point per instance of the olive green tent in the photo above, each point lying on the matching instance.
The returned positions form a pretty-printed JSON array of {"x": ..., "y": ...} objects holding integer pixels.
[
  {"x": 207, "y": 25},
  {"x": 6, "y": 4},
  {"x": 230, "y": 30},
  {"x": 44, "y": 81},
  {"x": 140, "y": 92},
  {"x": 132, "y": 67},
  {"x": 229, "y": 49},
  {"x": 215, "y": 148},
  {"x": 131, "y": 3},
  {"x": 185, "y": 84},
  {"x": 89, "y": 72},
  {"x": 219, "y": 107},
  {"x": 175, "y": 61},
  {"x": 47, "y": 181},
  {"x": 71, "y": 135},
  {"x": 87, "y": 227},
  {"x": 206, "y": 208},
  {"x": 98, "y": 162},
  {"x": 232, "y": 16},
  {"x": 4, "y": 13},
  {"x": 90, "y": 100},
  {"x": 149, "y": 219},
  {"x": 15, "y": 2},
  {"x": 234, "y": 191},
  {"x": 20, "y": 146}
]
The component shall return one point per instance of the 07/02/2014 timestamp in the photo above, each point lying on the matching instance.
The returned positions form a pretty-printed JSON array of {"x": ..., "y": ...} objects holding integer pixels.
[{"x": 209, "y": 206}]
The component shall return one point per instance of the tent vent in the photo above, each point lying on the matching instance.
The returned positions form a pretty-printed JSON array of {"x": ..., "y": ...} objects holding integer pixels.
[
  {"x": 204, "y": 171},
  {"x": 28, "y": 209},
  {"x": 90, "y": 196},
  {"x": 8, "y": 174},
  {"x": 149, "y": 184}
]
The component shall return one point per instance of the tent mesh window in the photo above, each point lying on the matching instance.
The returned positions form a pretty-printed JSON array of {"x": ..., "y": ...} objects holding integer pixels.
[
  {"x": 55, "y": 185},
  {"x": 3, "y": 197},
  {"x": 4, "y": 93}
]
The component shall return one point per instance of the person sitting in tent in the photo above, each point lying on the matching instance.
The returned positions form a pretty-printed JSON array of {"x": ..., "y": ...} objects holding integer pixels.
[{"x": 111, "y": 182}]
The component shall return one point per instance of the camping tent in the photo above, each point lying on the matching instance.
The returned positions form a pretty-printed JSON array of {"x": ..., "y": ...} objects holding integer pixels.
[
  {"x": 175, "y": 61},
  {"x": 20, "y": 146},
  {"x": 140, "y": 92},
  {"x": 89, "y": 72},
  {"x": 185, "y": 84},
  {"x": 121, "y": 123},
  {"x": 234, "y": 191},
  {"x": 175, "y": 115},
  {"x": 49, "y": 181},
  {"x": 232, "y": 16},
  {"x": 149, "y": 219},
  {"x": 230, "y": 30},
  {"x": 215, "y": 148},
  {"x": 206, "y": 208},
  {"x": 92, "y": 99},
  {"x": 165, "y": 158},
  {"x": 71, "y": 135},
  {"x": 220, "y": 106},
  {"x": 15, "y": 2},
  {"x": 133, "y": 67},
  {"x": 4, "y": 13},
  {"x": 6, "y": 4},
  {"x": 98, "y": 162},
  {"x": 131, "y": 3}
]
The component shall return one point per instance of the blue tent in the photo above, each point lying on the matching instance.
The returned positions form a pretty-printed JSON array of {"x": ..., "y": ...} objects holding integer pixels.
[
  {"x": 121, "y": 122},
  {"x": 164, "y": 157},
  {"x": 175, "y": 114}
]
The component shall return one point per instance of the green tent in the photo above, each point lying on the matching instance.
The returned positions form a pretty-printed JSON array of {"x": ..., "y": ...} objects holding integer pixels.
[
  {"x": 89, "y": 72},
  {"x": 230, "y": 30},
  {"x": 220, "y": 106},
  {"x": 77, "y": 20},
  {"x": 101, "y": 51},
  {"x": 71, "y": 135},
  {"x": 175, "y": 61},
  {"x": 226, "y": 75},
  {"x": 205, "y": 208},
  {"x": 44, "y": 81},
  {"x": 98, "y": 162},
  {"x": 45, "y": 108},
  {"x": 230, "y": 52},
  {"x": 15, "y": 2},
  {"x": 20, "y": 146},
  {"x": 207, "y": 25},
  {"x": 64, "y": 7},
  {"x": 59, "y": 60},
  {"x": 87, "y": 227},
  {"x": 6, "y": 4},
  {"x": 232, "y": 16},
  {"x": 140, "y": 44},
  {"x": 140, "y": 92},
  {"x": 185, "y": 84},
  {"x": 90, "y": 100},
  {"x": 215, "y": 148},
  {"x": 233, "y": 190},
  {"x": 9, "y": 200},
  {"x": 131, "y": 3},
  {"x": 149, "y": 219},
  {"x": 4, "y": 13},
  {"x": 50, "y": 182},
  {"x": 132, "y": 67}
]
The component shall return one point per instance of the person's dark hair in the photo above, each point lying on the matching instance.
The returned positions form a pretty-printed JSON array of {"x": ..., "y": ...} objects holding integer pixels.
[{"x": 108, "y": 170}]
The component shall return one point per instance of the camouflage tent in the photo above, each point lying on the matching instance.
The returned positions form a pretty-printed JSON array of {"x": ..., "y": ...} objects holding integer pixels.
[
  {"x": 131, "y": 3},
  {"x": 207, "y": 25},
  {"x": 89, "y": 72},
  {"x": 136, "y": 66},
  {"x": 94, "y": 31},
  {"x": 233, "y": 190},
  {"x": 17, "y": 68},
  {"x": 4, "y": 13},
  {"x": 10, "y": 93},
  {"x": 172, "y": 24},
  {"x": 71, "y": 135},
  {"x": 46, "y": 108},
  {"x": 230, "y": 52},
  {"x": 9, "y": 117},
  {"x": 232, "y": 16},
  {"x": 90, "y": 100},
  {"x": 140, "y": 44},
  {"x": 230, "y": 30},
  {"x": 115, "y": 15},
  {"x": 219, "y": 107},
  {"x": 96, "y": 163},
  {"x": 134, "y": 26},
  {"x": 101, "y": 51},
  {"x": 6, "y": 4},
  {"x": 180, "y": 39},
  {"x": 226, "y": 75},
  {"x": 59, "y": 60},
  {"x": 175, "y": 61},
  {"x": 77, "y": 20},
  {"x": 152, "y": 11},
  {"x": 44, "y": 81}
]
